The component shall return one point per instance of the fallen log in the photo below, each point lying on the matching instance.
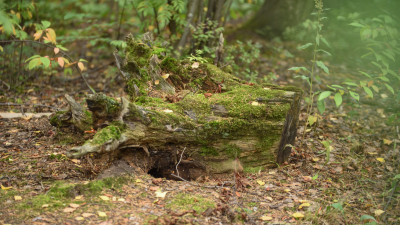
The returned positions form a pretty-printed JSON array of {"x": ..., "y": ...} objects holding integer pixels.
[{"x": 191, "y": 118}]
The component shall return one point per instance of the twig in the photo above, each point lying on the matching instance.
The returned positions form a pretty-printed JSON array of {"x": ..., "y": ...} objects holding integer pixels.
[
  {"x": 63, "y": 52},
  {"x": 34, "y": 105},
  {"x": 180, "y": 159}
]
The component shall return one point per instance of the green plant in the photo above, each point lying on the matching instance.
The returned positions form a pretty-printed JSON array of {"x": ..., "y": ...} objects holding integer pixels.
[
  {"x": 243, "y": 58},
  {"x": 205, "y": 35}
]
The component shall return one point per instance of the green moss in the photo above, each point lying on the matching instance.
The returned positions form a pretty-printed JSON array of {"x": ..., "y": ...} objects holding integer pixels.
[
  {"x": 172, "y": 65},
  {"x": 232, "y": 151},
  {"x": 208, "y": 151},
  {"x": 253, "y": 170},
  {"x": 190, "y": 201},
  {"x": 108, "y": 133},
  {"x": 55, "y": 120},
  {"x": 138, "y": 52}
]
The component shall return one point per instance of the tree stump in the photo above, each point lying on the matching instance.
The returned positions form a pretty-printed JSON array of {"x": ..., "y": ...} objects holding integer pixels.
[{"x": 190, "y": 118}]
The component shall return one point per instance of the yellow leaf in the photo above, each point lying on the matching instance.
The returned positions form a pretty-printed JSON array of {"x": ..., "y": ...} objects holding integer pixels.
[
  {"x": 17, "y": 198},
  {"x": 81, "y": 66},
  {"x": 382, "y": 160},
  {"x": 315, "y": 159},
  {"x": 298, "y": 215},
  {"x": 38, "y": 34},
  {"x": 255, "y": 103},
  {"x": 51, "y": 35},
  {"x": 60, "y": 62},
  {"x": 79, "y": 218},
  {"x": 104, "y": 198},
  {"x": 287, "y": 190},
  {"x": 138, "y": 181},
  {"x": 5, "y": 188},
  {"x": 378, "y": 212},
  {"x": 160, "y": 194},
  {"x": 1, "y": 49},
  {"x": 156, "y": 82},
  {"x": 18, "y": 15},
  {"x": 260, "y": 182},
  {"x": 56, "y": 50},
  {"x": 121, "y": 199},
  {"x": 306, "y": 204},
  {"x": 312, "y": 120},
  {"x": 165, "y": 76},
  {"x": 167, "y": 111},
  {"x": 387, "y": 142},
  {"x": 101, "y": 214},
  {"x": 45, "y": 205},
  {"x": 79, "y": 197},
  {"x": 265, "y": 218}
]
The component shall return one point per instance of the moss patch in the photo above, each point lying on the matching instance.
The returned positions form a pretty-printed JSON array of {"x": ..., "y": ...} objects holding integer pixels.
[
  {"x": 189, "y": 201},
  {"x": 111, "y": 132}
]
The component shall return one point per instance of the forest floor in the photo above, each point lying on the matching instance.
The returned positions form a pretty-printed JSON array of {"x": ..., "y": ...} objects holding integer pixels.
[{"x": 335, "y": 184}]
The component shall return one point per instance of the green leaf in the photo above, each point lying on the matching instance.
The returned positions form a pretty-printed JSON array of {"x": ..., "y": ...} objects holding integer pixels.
[
  {"x": 338, "y": 206},
  {"x": 61, "y": 47},
  {"x": 389, "y": 88},
  {"x": 6, "y": 22},
  {"x": 350, "y": 83},
  {"x": 45, "y": 61},
  {"x": 32, "y": 57},
  {"x": 299, "y": 68},
  {"x": 324, "y": 95},
  {"x": 321, "y": 106},
  {"x": 321, "y": 65},
  {"x": 321, "y": 50},
  {"x": 338, "y": 99},
  {"x": 365, "y": 74},
  {"x": 355, "y": 24},
  {"x": 368, "y": 91},
  {"x": 355, "y": 95},
  {"x": 33, "y": 63},
  {"x": 46, "y": 24},
  {"x": 337, "y": 86},
  {"x": 367, "y": 217},
  {"x": 396, "y": 177},
  {"x": 304, "y": 46},
  {"x": 83, "y": 60}
]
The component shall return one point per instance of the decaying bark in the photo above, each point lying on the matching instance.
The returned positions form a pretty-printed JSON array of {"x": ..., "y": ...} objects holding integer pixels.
[{"x": 181, "y": 105}]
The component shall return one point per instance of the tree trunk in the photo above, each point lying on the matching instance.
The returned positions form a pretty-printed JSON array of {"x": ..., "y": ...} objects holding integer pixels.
[
  {"x": 274, "y": 16},
  {"x": 194, "y": 114}
]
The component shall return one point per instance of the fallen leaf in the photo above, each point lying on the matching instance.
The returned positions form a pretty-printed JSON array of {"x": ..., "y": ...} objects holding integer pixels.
[
  {"x": 303, "y": 201},
  {"x": 298, "y": 215},
  {"x": 68, "y": 210},
  {"x": 167, "y": 111},
  {"x": 269, "y": 198},
  {"x": 101, "y": 214},
  {"x": 387, "y": 142},
  {"x": 265, "y": 218},
  {"x": 45, "y": 205},
  {"x": 73, "y": 205},
  {"x": 195, "y": 65},
  {"x": 5, "y": 188},
  {"x": 260, "y": 182},
  {"x": 315, "y": 159},
  {"x": 156, "y": 82},
  {"x": 105, "y": 198},
  {"x": 121, "y": 200},
  {"x": 138, "y": 181},
  {"x": 378, "y": 212},
  {"x": 79, "y": 197},
  {"x": 207, "y": 95},
  {"x": 76, "y": 161},
  {"x": 17, "y": 198},
  {"x": 87, "y": 214},
  {"x": 306, "y": 204},
  {"x": 160, "y": 194},
  {"x": 287, "y": 190},
  {"x": 307, "y": 178},
  {"x": 382, "y": 160},
  {"x": 254, "y": 103},
  {"x": 79, "y": 218},
  {"x": 165, "y": 76}
]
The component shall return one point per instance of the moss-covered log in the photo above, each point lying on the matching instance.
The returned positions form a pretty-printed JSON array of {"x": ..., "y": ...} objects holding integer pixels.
[{"x": 211, "y": 115}]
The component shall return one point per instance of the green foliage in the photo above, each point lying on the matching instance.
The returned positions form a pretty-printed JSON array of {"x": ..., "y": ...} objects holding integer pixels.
[
  {"x": 205, "y": 36},
  {"x": 243, "y": 58}
]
